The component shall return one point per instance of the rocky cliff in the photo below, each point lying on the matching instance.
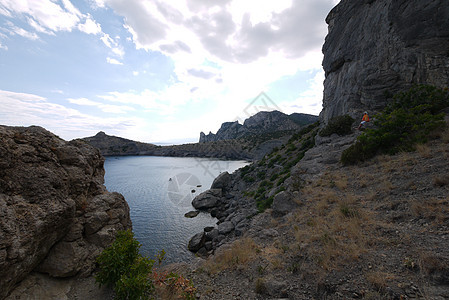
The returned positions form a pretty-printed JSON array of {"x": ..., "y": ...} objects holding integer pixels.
[
  {"x": 376, "y": 48},
  {"x": 56, "y": 215},
  {"x": 262, "y": 123}
]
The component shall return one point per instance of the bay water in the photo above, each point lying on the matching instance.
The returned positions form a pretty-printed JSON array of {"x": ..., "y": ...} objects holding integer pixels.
[{"x": 159, "y": 191}]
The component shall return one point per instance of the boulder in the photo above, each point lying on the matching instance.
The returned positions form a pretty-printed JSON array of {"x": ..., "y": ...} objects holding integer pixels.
[
  {"x": 197, "y": 242},
  {"x": 225, "y": 227},
  {"x": 283, "y": 203},
  {"x": 223, "y": 181},
  {"x": 212, "y": 234},
  {"x": 191, "y": 214},
  {"x": 207, "y": 199}
]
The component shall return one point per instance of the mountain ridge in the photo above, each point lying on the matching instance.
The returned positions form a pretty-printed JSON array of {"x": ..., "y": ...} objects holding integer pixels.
[
  {"x": 261, "y": 123},
  {"x": 256, "y": 137}
]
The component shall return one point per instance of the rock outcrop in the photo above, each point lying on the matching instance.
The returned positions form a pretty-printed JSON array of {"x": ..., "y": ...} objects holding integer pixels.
[
  {"x": 262, "y": 123},
  {"x": 113, "y": 145},
  {"x": 56, "y": 215},
  {"x": 376, "y": 48}
]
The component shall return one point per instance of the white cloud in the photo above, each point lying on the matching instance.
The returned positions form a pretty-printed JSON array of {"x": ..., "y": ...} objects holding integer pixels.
[
  {"x": 113, "y": 61},
  {"x": 253, "y": 43},
  {"x": 14, "y": 30},
  {"x": 309, "y": 101},
  {"x": 65, "y": 122},
  {"x": 89, "y": 26},
  {"x": 3, "y": 47}
]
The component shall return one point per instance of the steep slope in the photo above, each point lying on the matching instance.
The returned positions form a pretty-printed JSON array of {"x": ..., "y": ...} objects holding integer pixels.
[
  {"x": 376, "y": 48},
  {"x": 375, "y": 231},
  {"x": 56, "y": 215}
]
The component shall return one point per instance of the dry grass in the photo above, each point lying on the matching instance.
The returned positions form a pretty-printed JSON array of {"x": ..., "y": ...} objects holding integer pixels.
[
  {"x": 445, "y": 136},
  {"x": 434, "y": 209},
  {"x": 379, "y": 280},
  {"x": 238, "y": 255},
  {"x": 332, "y": 230},
  {"x": 424, "y": 150},
  {"x": 441, "y": 180},
  {"x": 430, "y": 263}
]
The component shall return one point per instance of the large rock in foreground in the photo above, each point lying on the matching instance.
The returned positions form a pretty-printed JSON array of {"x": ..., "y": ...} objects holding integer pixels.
[
  {"x": 377, "y": 48},
  {"x": 56, "y": 215},
  {"x": 207, "y": 199}
]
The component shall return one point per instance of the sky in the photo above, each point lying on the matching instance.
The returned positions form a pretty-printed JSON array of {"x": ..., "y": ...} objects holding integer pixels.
[{"x": 158, "y": 71}]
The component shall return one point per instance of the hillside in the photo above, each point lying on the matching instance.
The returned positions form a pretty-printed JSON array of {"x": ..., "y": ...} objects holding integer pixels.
[{"x": 378, "y": 230}]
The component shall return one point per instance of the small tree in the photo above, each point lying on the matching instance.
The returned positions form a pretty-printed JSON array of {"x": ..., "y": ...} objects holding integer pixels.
[{"x": 124, "y": 269}]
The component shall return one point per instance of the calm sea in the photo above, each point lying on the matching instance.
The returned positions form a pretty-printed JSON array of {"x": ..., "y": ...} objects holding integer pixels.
[{"x": 159, "y": 191}]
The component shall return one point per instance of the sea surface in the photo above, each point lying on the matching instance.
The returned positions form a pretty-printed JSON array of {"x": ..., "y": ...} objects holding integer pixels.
[{"x": 159, "y": 191}]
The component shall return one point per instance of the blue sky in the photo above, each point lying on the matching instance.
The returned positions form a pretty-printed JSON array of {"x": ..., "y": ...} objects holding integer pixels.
[{"x": 156, "y": 71}]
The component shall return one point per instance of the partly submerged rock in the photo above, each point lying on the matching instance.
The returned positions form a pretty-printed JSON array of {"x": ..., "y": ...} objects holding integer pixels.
[
  {"x": 197, "y": 242},
  {"x": 207, "y": 199},
  {"x": 191, "y": 214}
]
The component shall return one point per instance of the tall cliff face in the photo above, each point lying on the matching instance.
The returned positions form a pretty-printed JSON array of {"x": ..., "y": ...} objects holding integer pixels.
[
  {"x": 56, "y": 215},
  {"x": 379, "y": 47}
]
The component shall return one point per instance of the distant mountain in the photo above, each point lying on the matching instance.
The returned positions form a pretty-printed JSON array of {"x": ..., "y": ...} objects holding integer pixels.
[
  {"x": 260, "y": 124},
  {"x": 257, "y": 136}
]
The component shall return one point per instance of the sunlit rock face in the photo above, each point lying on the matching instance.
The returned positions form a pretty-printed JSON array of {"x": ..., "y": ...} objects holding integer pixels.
[{"x": 375, "y": 48}]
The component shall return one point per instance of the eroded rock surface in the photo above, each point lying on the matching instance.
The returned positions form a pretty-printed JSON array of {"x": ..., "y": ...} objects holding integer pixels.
[
  {"x": 377, "y": 48},
  {"x": 56, "y": 215}
]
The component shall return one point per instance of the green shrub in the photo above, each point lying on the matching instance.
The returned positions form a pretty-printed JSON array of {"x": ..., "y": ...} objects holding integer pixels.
[
  {"x": 124, "y": 269},
  {"x": 340, "y": 125},
  {"x": 263, "y": 203},
  {"x": 135, "y": 284},
  {"x": 408, "y": 120}
]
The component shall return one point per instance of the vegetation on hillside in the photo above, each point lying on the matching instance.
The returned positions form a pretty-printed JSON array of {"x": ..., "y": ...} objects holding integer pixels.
[
  {"x": 341, "y": 125},
  {"x": 132, "y": 275},
  {"x": 412, "y": 118},
  {"x": 270, "y": 173}
]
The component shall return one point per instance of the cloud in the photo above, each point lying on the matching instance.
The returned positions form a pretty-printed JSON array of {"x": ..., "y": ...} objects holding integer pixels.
[
  {"x": 65, "y": 122},
  {"x": 89, "y": 26},
  {"x": 14, "y": 30},
  {"x": 49, "y": 17},
  {"x": 201, "y": 73},
  {"x": 251, "y": 43},
  {"x": 113, "y": 61},
  {"x": 108, "y": 108},
  {"x": 309, "y": 101},
  {"x": 3, "y": 47},
  {"x": 234, "y": 31}
]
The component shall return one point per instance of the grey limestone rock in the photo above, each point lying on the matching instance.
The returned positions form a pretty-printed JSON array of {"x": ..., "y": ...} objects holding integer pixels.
[
  {"x": 207, "y": 199},
  {"x": 225, "y": 227},
  {"x": 53, "y": 206},
  {"x": 283, "y": 203},
  {"x": 222, "y": 181},
  {"x": 376, "y": 48},
  {"x": 197, "y": 242}
]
